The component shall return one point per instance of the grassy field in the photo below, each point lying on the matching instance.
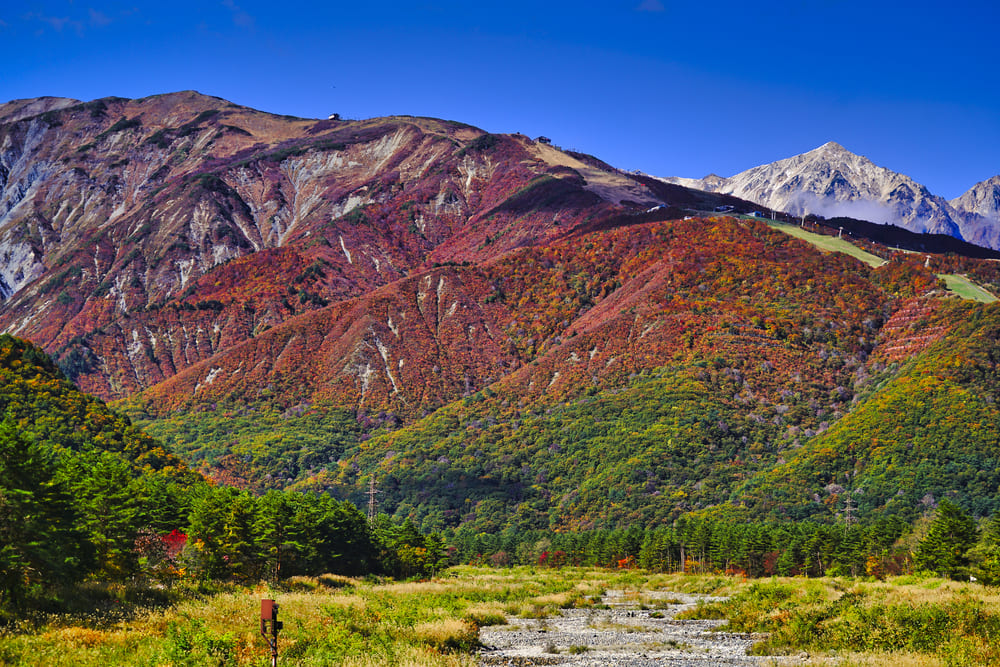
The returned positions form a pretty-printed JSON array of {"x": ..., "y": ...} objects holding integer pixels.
[
  {"x": 959, "y": 285},
  {"x": 828, "y": 243},
  {"x": 966, "y": 289},
  {"x": 330, "y": 620},
  {"x": 908, "y": 621}
]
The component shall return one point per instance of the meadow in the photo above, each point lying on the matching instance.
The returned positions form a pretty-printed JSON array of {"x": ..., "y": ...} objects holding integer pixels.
[
  {"x": 828, "y": 243},
  {"x": 965, "y": 288},
  {"x": 906, "y": 621}
]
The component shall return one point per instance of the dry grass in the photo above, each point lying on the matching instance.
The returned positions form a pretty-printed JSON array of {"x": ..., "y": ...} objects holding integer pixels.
[
  {"x": 447, "y": 633},
  {"x": 336, "y": 620},
  {"x": 486, "y": 613},
  {"x": 85, "y": 637},
  {"x": 560, "y": 600},
  {"x": 412, "y": 657},
  {"x": 616, "y": 627},
  {"x": 930, "y": 591},
  {"x": 885, "y": 660}
]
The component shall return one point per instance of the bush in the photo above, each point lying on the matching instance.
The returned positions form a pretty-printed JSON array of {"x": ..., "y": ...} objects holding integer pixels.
[
  {"x": 448, "y": 634},
  {"x": 190, "y": 643}
]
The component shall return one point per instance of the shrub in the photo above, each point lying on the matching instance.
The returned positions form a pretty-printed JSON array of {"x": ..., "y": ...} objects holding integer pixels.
[
  {"x": 483, "y": 143},
  {"x": 448, "y": 634},
  {"x": 191, "y": 643}
]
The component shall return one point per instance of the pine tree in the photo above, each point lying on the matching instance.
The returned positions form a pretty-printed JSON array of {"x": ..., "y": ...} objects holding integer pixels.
[
  {"x": 39, "y": 543},
  {"x": 984, "y": 557},
  {"x": 108, "y": 498},
  {"x": 950, "y": 536}
]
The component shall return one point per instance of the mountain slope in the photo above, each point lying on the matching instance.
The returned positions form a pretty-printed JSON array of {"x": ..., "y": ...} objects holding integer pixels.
[
  {"x": 982, "y": 199},
  {"x": 928, "y": 433},
  {"x": 730, "y": 347},
  {"x": 833, "y": 182},
  {"x": 498, "y": 332},
  {"x": 144, "y": 236},
  {"x": 37, "y": 400}
]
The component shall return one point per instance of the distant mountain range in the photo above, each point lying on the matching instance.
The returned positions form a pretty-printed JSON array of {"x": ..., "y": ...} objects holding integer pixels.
[
  {"x": 833, "y": 182},
  {"x": 498, "y": 332}
]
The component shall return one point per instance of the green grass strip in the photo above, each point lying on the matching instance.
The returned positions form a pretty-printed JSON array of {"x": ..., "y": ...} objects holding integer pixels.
[
  {"x": 828, "y": 243},
  {"x": 965, "y": 288}
]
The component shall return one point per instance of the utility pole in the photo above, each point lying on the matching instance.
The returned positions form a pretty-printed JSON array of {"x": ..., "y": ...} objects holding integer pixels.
[{"x": 371, "y": 499}]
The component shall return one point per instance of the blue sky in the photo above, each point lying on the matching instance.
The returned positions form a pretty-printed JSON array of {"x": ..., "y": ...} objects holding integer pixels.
[{"x": 671, "y": 88}]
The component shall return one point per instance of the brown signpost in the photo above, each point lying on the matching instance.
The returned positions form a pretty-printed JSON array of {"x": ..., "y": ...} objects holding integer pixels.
[{"x": 269, "y": 627}]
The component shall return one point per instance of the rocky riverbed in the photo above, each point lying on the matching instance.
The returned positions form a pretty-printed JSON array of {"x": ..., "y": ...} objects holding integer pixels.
[{"x": 624, "y": 630}]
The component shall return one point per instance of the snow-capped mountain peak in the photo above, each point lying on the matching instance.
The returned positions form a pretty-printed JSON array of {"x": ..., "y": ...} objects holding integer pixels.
[{"x": 832, "y": 181}]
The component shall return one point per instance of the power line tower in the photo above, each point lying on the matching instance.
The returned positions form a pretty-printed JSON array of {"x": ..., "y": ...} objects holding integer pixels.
[
  {"x": 850, "y": 505},
  {"x": 371, "y": 499},
  {"x": 849, "y": 517}
]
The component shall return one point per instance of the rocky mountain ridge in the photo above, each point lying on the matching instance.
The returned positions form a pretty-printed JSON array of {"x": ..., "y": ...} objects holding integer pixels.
[
  {"x": 833, "y": 182},
  {"x": 981, "y": 199},
  {"x": 140, "y": 237}
]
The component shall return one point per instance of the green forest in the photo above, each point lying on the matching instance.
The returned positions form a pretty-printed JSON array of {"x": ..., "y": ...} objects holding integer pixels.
[
  {"x": 85, "y": 496},
  {"x": 88, "y": 497}
]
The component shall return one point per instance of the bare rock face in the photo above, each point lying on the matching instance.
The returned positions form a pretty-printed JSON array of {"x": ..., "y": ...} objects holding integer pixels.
[
  {"x": 831, "y": 181},
  {"x": 141, "y": 237},
  {"x": 17, "y": 109},
  {"x": 982, "y": 199}
]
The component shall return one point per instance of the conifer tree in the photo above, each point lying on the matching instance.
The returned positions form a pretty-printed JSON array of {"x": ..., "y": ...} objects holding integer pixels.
[
  {"x": 950, "y": 536},
  {"x": 984, "y": 557},
  {"x": 39, "y": 543}
]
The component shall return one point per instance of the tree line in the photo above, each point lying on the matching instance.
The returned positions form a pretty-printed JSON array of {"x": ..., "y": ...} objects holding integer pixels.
[
  {"x": 950, "y": 544},
  {"x": 67, "y": 516}
]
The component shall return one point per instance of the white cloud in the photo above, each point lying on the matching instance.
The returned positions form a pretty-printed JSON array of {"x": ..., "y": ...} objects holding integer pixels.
[{"x": 860, "y": 209}]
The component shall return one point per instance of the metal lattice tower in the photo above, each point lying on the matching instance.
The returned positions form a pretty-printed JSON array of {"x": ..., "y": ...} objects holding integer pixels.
[{"x": 371, "y": 499}]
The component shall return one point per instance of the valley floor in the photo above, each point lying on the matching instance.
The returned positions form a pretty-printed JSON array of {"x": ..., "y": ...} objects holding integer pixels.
[
  {"x": 484, "y": 617},
  {"x": 629, "y": 628}
]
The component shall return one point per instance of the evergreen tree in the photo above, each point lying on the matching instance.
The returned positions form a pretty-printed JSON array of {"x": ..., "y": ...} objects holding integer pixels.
[
  {"x": 950, "y": 536},
  {"x": 211, "y": 535},
  {"x": 39, "y": 541},
  {"x": 108, "y": 498},
  {"x": 342, "y": 537},
  {"x": 984, "y": 557}
]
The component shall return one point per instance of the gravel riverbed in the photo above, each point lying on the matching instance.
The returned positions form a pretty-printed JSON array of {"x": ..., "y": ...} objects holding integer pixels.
[{"x": 623, "y": 635}]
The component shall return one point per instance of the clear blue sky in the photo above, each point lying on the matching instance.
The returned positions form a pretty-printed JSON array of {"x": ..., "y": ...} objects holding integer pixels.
[{"x": 671, "y": 88}]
